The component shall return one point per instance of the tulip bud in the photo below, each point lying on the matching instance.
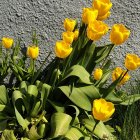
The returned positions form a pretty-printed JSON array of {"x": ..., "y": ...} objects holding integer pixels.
[
  {"x": 33, "y": 52},
  {"x": 97, "y": 74},
  {"x": 132, "y": 61},
  {"x": 7, "y": 42},
  {"x": 103, "y": 7},
  {"x": 62, "y": 49},
  {"x": 69, "y": 24},
  {"x": 96, "y": 30},
  {"x": 102, "y": 110},
  {"x": 89, "y": 15},
  {"x": 76, "y": 34},
  {"x": 119, "y": 34},
  {"x": 68, "y": 37}
]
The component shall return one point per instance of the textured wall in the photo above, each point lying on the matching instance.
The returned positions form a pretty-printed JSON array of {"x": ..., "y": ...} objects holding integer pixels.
[{"x": 18, "y": 17}]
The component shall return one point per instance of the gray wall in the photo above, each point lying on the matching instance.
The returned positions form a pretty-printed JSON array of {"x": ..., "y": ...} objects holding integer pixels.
[{"x": 18, "y": 17}]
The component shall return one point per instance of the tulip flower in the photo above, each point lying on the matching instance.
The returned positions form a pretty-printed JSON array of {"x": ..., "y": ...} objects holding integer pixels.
[
  {"x": 96, "y": 30},
  {"x": 89, "y": 15},
  {"x": 119, "y": 34},
  {"x": 68, "y": 37},
  {"x": 33, "y": 52},
  {"x": 97, "y": 74},
  {"x": 102, "y": 110},
  {"x": 62, "y": 49},
  {"x": 118, "y": 72},
  {"x": 69, "y": 24},
  {"x": 76, "y": 34},
  {"x": 103, "y": 7},
  {"x": 7, "y": 42},
  {"x": 132, "y": 61}
]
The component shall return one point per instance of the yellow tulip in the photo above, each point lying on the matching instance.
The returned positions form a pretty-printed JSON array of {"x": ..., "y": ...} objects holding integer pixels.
[
  {"x": 96, "y": 30},
  {"x": 117, "y": 73},
  {"x": 102, "y": 110},
  {"x": 68, "y": 37},
  {"x": 104, "y": 16},
  {"x": 132, "y": 61},
  {"x": 33, "y": 52},
  {"x": 97, "y": 74},
  {"x": 119, "y": 34},
  {"x": 62, "y": 49},
  {"x": 7, "y": 42},
  {"x": 69, "y": 24},
  {"x": 76, "y": 34},
  {"x": 89, "y": 15},
  {"x": 103, "y": 7}
]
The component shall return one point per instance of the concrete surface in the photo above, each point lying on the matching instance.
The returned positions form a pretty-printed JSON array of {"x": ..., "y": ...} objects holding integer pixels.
[{"x": 18, "y": 17}]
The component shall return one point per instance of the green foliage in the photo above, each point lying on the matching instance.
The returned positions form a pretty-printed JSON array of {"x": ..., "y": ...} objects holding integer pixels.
[{"x": 56, "y": 102}]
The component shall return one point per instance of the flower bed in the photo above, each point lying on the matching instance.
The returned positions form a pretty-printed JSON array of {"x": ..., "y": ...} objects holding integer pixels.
[{"x": 69, "y": 99}]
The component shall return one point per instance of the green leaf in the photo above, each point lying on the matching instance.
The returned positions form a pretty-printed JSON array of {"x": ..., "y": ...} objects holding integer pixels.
[
  {"x": 57, "y": 106},
  {"x": 73, "y": 134},
  {"x": 24, "y": 87},
  {"x": 3, "y": 125},
  {"x": 100, "y": 130},
  {"x": 44, "y": 90},
  {"x": 130, "y": 99},
  {"x": 33, "y": 135},
  {"x": 81, "y": 96},
  {"x": 60, "y": 123},
  {"x": 42, "y": 129},
  {"x": 87, "y": 54},
  {"x": 36, "y": 108},
  {"x": 104, "y": 78},
  {"x": 80, "y": 72},
  {"x": 8, "y": 135},
  {"x": 32, "y": 90},
  {"x": 17, "y": 100},
  {"x": 112, "y": 96},
  {"x": 3, "y": 95},
  {"x": 102, "y": 52}
]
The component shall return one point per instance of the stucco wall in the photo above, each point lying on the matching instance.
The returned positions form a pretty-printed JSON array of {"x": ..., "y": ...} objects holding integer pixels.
[{"x": 18, "y": 17}]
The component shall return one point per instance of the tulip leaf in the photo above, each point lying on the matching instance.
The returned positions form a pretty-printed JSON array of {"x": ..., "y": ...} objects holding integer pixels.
[
  {"x": 36, "y": 108},
  {"x": 104, "y": 78},
  {"x": 18, "y": 103},
  {"x": 130, "y": 99},
  {"x": 32, "y": 90},
  {"x": 60, "y": 123},
  {"x": 81, "y": 96},
  {"x": 100, "y": 130},
  {"x": 57, "y": 106},
  {"x": 86, "y": 54},
  {"x": 33, "y": 135},
  {"x": 74, "y": 134},
  {"x": 102, "y": 52},
  {"x": 3, "y": 95},
  {"x": 112, "y": 96},
  {"x": 24, "y": 87},
  {"x": 8, "y": 135},
  {"x": 44, "y": 91},
  {"x": 80, "y": 72}
]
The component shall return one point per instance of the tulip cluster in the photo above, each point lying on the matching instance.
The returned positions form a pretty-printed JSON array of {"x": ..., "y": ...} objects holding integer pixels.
[{"x": 63, "y": 48}]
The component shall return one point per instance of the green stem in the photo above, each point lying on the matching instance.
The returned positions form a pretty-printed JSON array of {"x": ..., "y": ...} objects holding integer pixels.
[
  {"x": 55, "y": 79},
  {"x": 33, "y": 69},
  {"x": 39, "y": 70},
  {"x": 105, "y": 60},
  {"x": 96, "y": 122}
]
